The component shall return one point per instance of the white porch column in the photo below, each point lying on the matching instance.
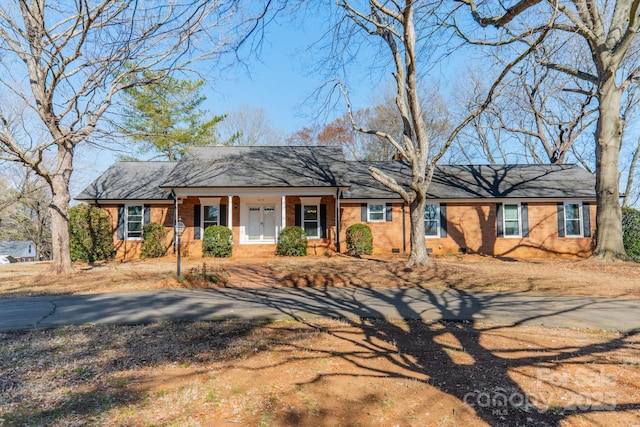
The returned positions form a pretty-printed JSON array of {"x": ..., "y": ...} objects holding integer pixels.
[
  {"x": 283, "y": 212},
  {"x": 230, "y": 212}
]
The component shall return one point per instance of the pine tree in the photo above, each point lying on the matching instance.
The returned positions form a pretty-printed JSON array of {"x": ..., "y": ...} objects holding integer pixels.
[{"x": 166, "y": 118}]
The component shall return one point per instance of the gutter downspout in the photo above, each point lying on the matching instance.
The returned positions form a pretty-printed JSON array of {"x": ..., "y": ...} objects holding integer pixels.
[
  {"x": 404, "y": 231},
  {"x": 175, "y": 217},
  {"x": 338, "y": 220}
]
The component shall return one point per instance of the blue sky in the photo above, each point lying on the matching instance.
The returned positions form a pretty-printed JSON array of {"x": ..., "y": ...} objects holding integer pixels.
[{"x": 278, "y": 80}]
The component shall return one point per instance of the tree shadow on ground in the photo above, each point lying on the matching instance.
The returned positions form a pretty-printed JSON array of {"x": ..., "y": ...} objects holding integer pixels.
[
  {"x": 484, "y": 383},
  {"x": 453, "y": 358}
]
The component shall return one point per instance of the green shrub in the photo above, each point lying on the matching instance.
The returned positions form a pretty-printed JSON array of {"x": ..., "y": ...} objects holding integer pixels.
[
  {"x": 155, "y": 241},
  {"x": 90, "y": 234},
  {"x": 631, "y": 232},
  {"x": 359, "y": 240},
  {"x": 217, "y": 242},
  {"x": 292, "y": 241}
]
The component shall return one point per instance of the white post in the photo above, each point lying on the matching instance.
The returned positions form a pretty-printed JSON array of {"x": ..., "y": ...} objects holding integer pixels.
[
  {"x": 230, "y": 212},
  {"x": 283, "y": 212}
]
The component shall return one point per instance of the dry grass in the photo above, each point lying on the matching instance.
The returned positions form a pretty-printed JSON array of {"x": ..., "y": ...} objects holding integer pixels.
[
  {"x": 321, "y": 373},
  {"x": 569, "y": 277}
]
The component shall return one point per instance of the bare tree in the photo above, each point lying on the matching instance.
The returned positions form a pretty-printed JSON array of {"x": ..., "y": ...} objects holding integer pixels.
[
  {"x": 67, "y": 62},
  {"x": 534, "y": 118},
  {"x": 630, "y": 113},
  {"x": 393, "y": 24},
  {"x": 627, "y": 198},
  {"x": 603, "y": 32},
  {"x": 24, "y": 209},
  {"x": 552, "y": 118},
  {"x": 249, "y": 126}
]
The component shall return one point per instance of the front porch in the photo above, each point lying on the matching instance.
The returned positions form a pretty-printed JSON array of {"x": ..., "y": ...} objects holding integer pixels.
[{"x": 257, "y": 219}]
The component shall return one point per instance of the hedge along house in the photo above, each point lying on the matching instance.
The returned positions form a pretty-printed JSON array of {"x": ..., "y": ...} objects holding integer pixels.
[{"x": 501, "y": 210}]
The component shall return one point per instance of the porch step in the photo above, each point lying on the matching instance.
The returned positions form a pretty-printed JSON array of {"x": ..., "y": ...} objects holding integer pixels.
[{"x": 254, "y": 251}]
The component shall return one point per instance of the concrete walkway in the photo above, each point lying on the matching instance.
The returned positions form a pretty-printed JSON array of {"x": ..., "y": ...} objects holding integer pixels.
[{"x": 277, "y": 303}]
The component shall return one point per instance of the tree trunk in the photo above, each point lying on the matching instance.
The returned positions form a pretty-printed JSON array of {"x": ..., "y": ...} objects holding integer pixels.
[
  {"x": 59, "y": 208},
  {"x": 418, "y": 255},
  {"x": 609, "y": 244},
  {"x": 631, "y": 175}
]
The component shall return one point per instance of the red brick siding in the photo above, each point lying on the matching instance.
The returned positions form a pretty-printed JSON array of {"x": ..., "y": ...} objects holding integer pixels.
[
  {"x": 127, "y": 249},
  {"x": 470, "y": 226},
  {"x": 473, "y": 226}
]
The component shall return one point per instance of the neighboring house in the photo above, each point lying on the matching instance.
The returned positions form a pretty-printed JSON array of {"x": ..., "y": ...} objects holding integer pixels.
[
  {"x": 500, "y": 210},
  {"x": 21, "y": 250}
]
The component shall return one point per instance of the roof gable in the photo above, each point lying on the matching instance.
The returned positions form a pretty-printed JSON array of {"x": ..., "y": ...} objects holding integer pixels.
[{"x": 259, "y": 167}]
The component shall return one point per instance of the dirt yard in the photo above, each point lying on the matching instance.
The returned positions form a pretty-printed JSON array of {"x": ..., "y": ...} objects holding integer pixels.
[
  {"x": 468, "y": 272},
  {"x": 322, "y": 372}
]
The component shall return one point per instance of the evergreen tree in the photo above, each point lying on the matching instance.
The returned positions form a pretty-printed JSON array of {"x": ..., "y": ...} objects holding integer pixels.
[{"x": 166, "y": 116}]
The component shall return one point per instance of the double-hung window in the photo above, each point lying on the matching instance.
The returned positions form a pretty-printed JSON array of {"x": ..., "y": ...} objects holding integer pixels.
[
  {"x": 210, "y": 216},
  {"x": 311, "y": 220},
  {"x": 432, "y": 220},
  {"x": 134, "y": 221},
  {"x": 573, "y": 219},
  {"x": 376, "y": 212},
  {"x": 511, "y": 220}
]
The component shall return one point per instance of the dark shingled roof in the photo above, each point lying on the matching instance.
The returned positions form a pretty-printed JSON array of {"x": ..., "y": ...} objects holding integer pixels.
[
  {"x": 259, "y": 167},
  {"x": 291, "y": 167},
  {"x": 130, "y": 181},
  {"x": 478, "y": 181}
]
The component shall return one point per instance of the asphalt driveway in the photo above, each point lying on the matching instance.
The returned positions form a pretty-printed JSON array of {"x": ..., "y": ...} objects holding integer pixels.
[{"x": 21, "y": 314}]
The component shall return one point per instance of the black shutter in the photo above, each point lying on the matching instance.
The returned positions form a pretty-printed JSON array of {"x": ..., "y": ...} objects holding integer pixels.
[
  {"x": 323, "y": 221},
  {"x": 586, "y": 220},
  {"x": 389, "y": 211},
  {"x": 298, "y": 212},
  {"x": 223, "y": 215},
  {"x": 147, "y": 214},
  {"x": 121, "y": 222},
  {"x": 499, "y": 220},
  {"x": 363, "y": 212},
  {"x": 197, "y": 231},
  {"x": 560, "y": 219},
  {"x": 524, "y": 213},
  {"x": 443, "y": 220}
]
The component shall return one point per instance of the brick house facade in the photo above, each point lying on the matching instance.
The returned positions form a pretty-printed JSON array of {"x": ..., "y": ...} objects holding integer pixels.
[{"x": 518, "y": 211}]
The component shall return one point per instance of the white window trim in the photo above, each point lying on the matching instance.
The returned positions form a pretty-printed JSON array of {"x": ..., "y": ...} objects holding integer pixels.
[
  {"x": 437, "y": 236},
  {"x": 581, "y": 218},
  {"x": 126, "y": 221},
  {"x": 504, "y": 219},
  {"x": 384, "y": 212},
  {"x": 317, "y": 221},
  {"x": 216, "y": 202}
]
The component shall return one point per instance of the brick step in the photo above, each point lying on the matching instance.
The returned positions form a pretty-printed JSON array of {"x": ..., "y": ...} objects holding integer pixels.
[{"x": 251, "y": 251}]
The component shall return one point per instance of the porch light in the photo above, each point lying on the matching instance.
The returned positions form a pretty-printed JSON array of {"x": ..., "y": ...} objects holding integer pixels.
[{"x": 180, "y": 227}]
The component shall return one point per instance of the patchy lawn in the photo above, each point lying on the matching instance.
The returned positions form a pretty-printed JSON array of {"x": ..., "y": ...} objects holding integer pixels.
[
  {"x": 468, "y": 272},
  {"x": 320, "y": 373}
]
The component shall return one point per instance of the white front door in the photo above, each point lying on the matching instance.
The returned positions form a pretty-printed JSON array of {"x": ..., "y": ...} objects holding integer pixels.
[{"x": 261, "y": 225}]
